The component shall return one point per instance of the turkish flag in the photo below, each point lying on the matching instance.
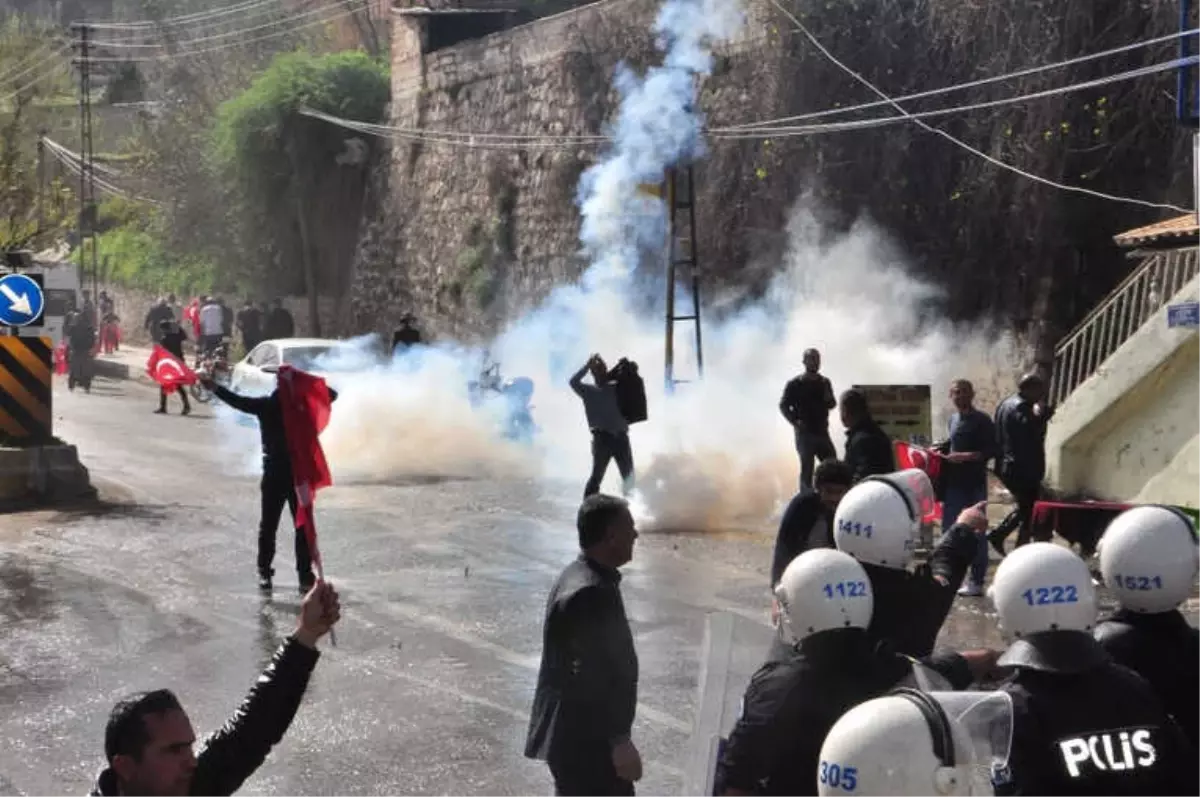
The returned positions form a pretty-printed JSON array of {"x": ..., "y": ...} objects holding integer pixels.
[
  {"x": 306, "y": 404},
  {"x": 910, "y": 456},
  {"x": 168, "y": 370}
]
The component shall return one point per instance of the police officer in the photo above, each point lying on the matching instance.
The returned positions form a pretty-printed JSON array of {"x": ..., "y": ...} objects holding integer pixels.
[
  {"x": 902, "y": 744},
  {"x": 878, "y": 522},
  {"x": 826, "y": 601},
  {"x": 1149, "y": 561},
  {"x": 1082, "y": 724}
]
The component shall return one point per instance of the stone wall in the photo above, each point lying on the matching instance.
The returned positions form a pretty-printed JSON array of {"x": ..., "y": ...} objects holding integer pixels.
[{"x": 469, "y": 234}]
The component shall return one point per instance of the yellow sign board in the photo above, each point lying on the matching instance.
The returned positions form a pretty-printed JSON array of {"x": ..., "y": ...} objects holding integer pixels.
[
  {"x": 651, "y": 189},
  {"x": 905, "y": 412}
]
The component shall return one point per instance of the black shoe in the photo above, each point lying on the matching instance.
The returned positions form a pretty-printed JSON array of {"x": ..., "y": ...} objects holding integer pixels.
[
  {"x": 186, "y": 411},
  {"x": 161, "y": 411},
  {"x": 306, "y": 585},
  {"x": 997, "y": 544},
  {"x": 264, "y": 579}
]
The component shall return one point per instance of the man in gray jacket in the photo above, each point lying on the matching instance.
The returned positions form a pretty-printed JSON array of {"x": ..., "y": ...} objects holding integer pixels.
[{"x": 610, "y": 430}]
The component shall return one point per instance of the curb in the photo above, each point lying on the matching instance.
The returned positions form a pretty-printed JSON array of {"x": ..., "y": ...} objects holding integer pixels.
[
  {"x": 114, "y": 369},
  {"x": 43, "y": 475}
]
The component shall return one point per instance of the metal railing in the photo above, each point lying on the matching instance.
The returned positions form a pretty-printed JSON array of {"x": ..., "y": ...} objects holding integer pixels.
[{"x": 1152, "y": 284}]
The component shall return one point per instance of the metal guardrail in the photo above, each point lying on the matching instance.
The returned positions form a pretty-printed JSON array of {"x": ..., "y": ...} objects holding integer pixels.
[{"x": 1153, "y": 284}]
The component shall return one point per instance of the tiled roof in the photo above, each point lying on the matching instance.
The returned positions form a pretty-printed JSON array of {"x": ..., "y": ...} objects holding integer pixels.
[{"x": 1177, "y": 230}]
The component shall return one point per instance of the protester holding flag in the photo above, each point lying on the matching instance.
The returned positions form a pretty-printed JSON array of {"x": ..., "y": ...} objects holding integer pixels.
[
  {"x": 964, "y": 473},
  {"x": 289, "y": 421},
  {"x": 170, "y": 339}
]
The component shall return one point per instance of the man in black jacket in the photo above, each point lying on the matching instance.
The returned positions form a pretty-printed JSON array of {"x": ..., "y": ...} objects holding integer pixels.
[
  {"x": 868, "y": 448},
  {"x": 586, "y": 694},
  {"x": 277, "y": 485},
  {"x": 805, "y": 404},
  {"x": 1021, "y": 455},
  {"x": 149, "y": 738},
  {"x": 171, "y": 337}
]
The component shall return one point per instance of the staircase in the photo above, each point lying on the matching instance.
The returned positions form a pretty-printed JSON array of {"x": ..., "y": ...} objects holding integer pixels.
[
  {"x": 1127, "y": 389},
  {"x": 1157, "y": 282}
]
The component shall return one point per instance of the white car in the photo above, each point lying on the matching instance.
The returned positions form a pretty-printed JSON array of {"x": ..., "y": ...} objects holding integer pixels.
[{"x": 255, "y": 373}]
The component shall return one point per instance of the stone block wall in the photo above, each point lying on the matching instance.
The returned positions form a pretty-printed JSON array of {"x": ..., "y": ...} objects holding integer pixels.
[{"x": 474, "y": 232}]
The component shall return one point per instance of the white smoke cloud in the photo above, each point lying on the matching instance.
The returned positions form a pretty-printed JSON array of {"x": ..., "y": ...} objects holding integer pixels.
[{"x": 716, "y": 454}]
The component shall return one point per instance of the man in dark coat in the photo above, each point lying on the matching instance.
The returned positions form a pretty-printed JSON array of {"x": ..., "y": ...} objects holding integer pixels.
[
  {"x": 407, "y": 335},
  {"x": 277, "y": 488},
  {"x": 805, "y": 404},
  {"x": 149, "y": 738},
  {"x": 868, "y": 448},
  {"x": 1021, "y": 455},
  {"x": 586, "y": 694},
  {"x": 171, "y": 337},
  {"x": 279, "y": 323}
]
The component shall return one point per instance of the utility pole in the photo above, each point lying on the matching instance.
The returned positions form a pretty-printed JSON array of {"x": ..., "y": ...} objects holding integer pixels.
[
  {"x": 41, "y": 177},
  {"x": 1188, "y": 94},
  {"x": 679, "y": 192},
  {"x": 87, "y": 171}
]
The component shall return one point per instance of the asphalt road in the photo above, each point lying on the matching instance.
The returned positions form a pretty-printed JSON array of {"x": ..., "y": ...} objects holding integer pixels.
[{"x": 443, "y": 585}]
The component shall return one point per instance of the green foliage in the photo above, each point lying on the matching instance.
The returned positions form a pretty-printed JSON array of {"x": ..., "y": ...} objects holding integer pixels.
[
  {"x": 260, "y": 134},
  {"x": 138, "y": 257}
]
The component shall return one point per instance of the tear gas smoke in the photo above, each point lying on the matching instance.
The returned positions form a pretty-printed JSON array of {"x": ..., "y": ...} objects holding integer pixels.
[{"x": 717, "y": 453}]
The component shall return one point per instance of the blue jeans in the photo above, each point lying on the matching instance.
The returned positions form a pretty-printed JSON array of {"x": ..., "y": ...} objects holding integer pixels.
[{"x": 957, "y": 498}]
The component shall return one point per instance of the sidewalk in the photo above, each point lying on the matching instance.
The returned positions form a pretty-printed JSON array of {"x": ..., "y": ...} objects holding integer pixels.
[{"x": 129, "y": 362}]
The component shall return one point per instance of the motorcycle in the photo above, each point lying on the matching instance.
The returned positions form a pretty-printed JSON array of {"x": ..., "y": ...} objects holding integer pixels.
[
  {"x": 213, "y": 364},
  {"x": 516, "y": 423}
]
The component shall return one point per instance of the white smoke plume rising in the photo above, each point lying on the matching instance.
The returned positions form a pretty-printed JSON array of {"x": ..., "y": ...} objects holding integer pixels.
[{"x": 716, "y": 454}]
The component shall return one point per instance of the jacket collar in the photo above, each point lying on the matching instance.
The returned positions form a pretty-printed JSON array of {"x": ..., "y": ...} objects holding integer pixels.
[
  {"x": 1066, "y": 652},
  {"x": 610, "y": 574},
  {"x": 106, "y": 784},
  {"x": 1171, "y": 621}
]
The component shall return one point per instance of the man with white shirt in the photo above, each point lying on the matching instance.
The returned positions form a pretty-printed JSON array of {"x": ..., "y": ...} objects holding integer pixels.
[{"x": 212, "y": 324}]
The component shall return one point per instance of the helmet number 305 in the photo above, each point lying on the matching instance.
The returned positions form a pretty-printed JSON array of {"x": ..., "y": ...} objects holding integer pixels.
[
  {"x": 846, "y": 589},
  {"x": 1044, "y": 596},
  {"x": 855, "y": 528},
  {"x": 845, "y": 778},
  {"x": 1138, "y": 582}
]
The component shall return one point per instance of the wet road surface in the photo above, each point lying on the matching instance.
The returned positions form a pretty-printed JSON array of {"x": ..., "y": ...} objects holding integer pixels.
[{"x": 443, "y": 587}]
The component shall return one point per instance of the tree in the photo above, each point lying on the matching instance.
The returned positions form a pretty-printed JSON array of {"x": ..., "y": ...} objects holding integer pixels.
[
  {"x": 279, "y": 164},
  {"x": 24, "y": 44}
]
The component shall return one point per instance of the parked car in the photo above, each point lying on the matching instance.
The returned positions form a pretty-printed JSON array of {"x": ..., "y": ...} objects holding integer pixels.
[{"x": 255, "y": 373}]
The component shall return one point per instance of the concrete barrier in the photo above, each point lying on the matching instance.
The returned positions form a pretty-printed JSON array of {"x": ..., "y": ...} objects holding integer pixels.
[{"x": 43, "y": 475}]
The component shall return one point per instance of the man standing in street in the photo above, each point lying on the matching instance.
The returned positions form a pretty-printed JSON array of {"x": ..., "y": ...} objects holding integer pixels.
[
  {"x": 406, "y": 335},
  {"x": 586, "y": 694},
  {"x": 964, "y": 476},
  {"x": 149, "y": 738},
  {"x": 868, "y": 448},
  {"x": 277, "y": 485},
  {"x": 1021, "y": 455},
  {"x": 171, "y": 338},
  {"x": 806, "y": 402},
  {"x": 280, "y": 323},
  {"x": 250, "y": 322},
  {"x": 610, "y": 430},
  {"x": 212, "y": 325}
]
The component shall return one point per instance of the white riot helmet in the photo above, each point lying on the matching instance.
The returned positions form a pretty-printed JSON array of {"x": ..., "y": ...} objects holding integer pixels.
[
  {"x": 901, "y": 744},
  {"x": 1043, "y": 587},
  {"x": 821, "y": 590},
  {"x": 878, "y": 522},
  {"x": 1149, "y": 558}
]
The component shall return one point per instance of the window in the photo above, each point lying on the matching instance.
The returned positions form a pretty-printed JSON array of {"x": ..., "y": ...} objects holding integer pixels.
[{"x": 268, "y": 356}]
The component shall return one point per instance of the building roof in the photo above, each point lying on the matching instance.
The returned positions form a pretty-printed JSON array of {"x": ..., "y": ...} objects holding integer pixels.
[{"x": 1177, "y": 231}]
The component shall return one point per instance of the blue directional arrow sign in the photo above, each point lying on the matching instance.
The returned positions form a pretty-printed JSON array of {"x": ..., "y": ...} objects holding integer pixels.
[{"x": 21, "y": 300}]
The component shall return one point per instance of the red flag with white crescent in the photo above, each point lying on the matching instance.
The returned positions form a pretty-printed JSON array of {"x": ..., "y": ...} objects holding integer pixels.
[
  {"x": 168, "y": 370},
  {"x": 306, "y": 405}
]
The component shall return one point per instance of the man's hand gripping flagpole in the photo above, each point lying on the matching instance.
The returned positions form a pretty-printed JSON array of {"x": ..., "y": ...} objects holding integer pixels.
[{"x": 306, "y": 405}]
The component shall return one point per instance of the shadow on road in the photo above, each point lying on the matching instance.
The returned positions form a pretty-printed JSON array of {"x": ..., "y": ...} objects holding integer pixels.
[{"x": 103, "y": 508}]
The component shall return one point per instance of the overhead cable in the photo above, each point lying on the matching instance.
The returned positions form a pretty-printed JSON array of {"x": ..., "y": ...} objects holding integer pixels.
[{"x": 962, "y": 144}]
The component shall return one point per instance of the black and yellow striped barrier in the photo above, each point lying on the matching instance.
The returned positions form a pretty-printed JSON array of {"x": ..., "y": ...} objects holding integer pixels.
[{"x": 25, "y": 387}]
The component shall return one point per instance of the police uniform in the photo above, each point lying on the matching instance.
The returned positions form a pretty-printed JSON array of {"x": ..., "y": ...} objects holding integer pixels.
[
  {"x": 1085, "y": 725},
  {"x": 1165, "y": 650}
]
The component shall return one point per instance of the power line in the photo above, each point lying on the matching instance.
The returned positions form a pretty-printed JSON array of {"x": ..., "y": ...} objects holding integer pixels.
[
  {"x": 62, "y": 51},
  {"x": 957, "y": 142},
  {"x": 30, "y": 84},
  {"x": 228, "y": 34},
  {"x": 974, "y": 83},
  {"x": 183, "y": 19},
  {"x": 785, "y": 131},
  {"x": 185, "y": 53}
]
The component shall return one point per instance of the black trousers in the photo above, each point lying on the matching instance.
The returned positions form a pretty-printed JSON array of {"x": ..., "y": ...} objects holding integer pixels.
[
  {"x": 812, "y": 447},
  {"x": 1026, "y": 492},
  {"x": 587, "y": 773},
  {"x": 277, "y": 490},
  {"x": 181, "y": 390},
  {"x": 605, "y": 447}
]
